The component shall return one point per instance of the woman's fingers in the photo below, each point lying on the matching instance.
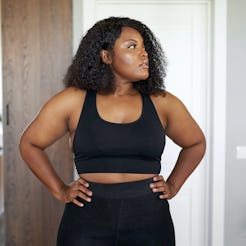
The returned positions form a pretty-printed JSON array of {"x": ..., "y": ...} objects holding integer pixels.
[
  {"x": 76, "y": 202},
  {"x": 78, "y": 189},
  {"x": 160, "y": 186},
  {"x": 158, "y": 178},
  {"x": 83, "y": 186},
  {"x": 84, "y": 196},
  {"x": 83, "y": 182},
  {"x": 83, "y": 189}
]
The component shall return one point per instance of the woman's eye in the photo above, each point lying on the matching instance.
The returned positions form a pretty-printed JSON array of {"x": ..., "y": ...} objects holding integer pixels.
[{"x": 132, "y": 46}]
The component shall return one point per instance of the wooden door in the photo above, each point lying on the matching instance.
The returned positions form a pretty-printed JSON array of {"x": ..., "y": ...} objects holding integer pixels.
[{"x": 37, "y": 49}]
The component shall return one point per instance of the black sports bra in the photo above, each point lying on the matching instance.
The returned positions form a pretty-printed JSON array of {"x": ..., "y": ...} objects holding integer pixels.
[{"x": 100, "y": 146}]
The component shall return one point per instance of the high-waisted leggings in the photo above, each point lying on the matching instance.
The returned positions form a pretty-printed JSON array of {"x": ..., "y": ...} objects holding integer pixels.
[{"x": 123, "y": 214}]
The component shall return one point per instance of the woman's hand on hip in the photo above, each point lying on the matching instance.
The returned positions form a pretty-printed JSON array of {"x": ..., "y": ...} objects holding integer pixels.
[
  {"x": 161, "y": 186},
  {"x": 78, "y": 188}
]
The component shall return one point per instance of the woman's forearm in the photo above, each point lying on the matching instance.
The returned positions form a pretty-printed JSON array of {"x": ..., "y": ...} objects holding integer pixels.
[
  {"x": 39, "y": 163},
  {"x": 187, "y": 161}
]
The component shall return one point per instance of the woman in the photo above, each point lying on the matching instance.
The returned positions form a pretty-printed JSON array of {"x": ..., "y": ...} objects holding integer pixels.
[{"x": 117, "y": 113}]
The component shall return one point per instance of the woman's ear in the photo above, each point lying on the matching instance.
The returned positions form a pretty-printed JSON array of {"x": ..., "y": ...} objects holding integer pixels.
[{"x": 106, "y": 57}]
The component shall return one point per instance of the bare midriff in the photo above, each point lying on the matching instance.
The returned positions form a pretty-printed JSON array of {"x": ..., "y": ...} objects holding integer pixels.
[{"x": 111, "y": 178}]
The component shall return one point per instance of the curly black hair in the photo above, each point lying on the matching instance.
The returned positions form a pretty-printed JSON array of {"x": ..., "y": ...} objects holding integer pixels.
[{"x": 87, "y": 70}]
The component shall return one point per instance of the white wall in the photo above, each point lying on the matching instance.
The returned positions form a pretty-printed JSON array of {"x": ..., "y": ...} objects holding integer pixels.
[{"x": 235, "y": 182}]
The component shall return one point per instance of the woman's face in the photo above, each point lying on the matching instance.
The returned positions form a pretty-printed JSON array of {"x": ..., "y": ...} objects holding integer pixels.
[{"x": 129, "y": 60}]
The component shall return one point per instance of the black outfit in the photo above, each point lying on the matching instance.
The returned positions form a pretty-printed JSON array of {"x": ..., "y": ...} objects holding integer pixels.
[
  {"x": 102, "y": 146},
  {"x": 123, "y": 214}
]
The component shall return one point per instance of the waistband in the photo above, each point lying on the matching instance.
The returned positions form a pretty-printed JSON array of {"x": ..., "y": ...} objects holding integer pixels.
[{"x": 122, "y": 190}]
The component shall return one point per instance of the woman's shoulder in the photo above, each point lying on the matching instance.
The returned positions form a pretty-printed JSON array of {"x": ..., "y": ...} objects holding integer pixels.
[
  {"x": 71, "y": 93},
  {"x": 68, "y": 96},
  {"x": 166, "y": 98},
  {"x": 66, "y": 100}
]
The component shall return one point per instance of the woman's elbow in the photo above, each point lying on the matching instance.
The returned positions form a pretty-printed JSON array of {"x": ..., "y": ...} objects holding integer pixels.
[
  {"x": 202, "y": 144},
  {"x": 23, "y": 144}
]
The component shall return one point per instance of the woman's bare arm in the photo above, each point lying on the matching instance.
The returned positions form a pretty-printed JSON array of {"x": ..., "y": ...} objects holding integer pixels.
[
  {"x": 185, "y": 132},
  {"x": 50, "y": 125}
]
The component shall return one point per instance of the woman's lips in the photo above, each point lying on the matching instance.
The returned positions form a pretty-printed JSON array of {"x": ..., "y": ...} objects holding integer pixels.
[{"x": 144, "y": 64}]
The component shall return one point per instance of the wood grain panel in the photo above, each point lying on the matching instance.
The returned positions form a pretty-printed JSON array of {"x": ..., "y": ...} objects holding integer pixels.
[{"x": 37, "y": 49}]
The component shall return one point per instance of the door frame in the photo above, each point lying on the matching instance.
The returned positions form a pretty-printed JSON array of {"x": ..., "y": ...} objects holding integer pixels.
[
  {"x": 217, "y": 140},
  {"x": 217, "y": 110}
]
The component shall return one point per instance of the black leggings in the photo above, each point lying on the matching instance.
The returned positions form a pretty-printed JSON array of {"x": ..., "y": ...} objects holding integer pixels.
[{"x": 125, "y": 214}]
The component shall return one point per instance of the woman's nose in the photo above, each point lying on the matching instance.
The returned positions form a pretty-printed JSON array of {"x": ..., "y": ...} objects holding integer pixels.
[{"x": 144, "y": 52}]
